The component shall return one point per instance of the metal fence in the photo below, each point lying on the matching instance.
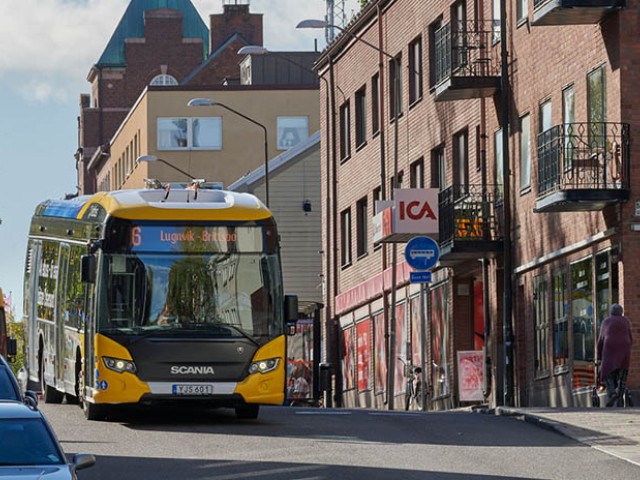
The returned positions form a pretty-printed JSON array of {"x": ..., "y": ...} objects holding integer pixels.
[
  {"x": 467, "y": 212},
  {"x": 584, "y": 155},
  {"x": 465, "y": 49}
]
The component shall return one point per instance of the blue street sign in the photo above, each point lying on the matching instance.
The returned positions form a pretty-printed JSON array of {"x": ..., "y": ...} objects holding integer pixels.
[
  {"x": 420, "y": 277},
  {"x": 422, "y": 253}
]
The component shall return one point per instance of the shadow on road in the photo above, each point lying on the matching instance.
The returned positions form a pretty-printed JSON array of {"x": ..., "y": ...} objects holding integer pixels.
[{"x": 108, "y": 467}]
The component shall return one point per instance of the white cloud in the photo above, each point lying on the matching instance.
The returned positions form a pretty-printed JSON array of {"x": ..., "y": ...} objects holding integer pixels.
[{"x": 49, "y": 45}]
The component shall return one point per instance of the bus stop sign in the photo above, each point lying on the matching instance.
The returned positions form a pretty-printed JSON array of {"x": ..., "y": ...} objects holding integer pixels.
[{"x": 422, "y": 253}]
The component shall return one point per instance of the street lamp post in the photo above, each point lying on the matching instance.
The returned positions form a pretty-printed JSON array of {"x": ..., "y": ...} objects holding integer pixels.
[
  {"x": 506, "y": 172},
  {"x": 313, "y": 23},
  {"x": 208, "y": 102},
  {"x": 153, "y": 158},
  {"x": 260, "y": 50}
]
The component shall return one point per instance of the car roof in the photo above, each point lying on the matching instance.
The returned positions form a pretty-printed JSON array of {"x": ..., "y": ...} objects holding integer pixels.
[{"x": 15, "y": 409}]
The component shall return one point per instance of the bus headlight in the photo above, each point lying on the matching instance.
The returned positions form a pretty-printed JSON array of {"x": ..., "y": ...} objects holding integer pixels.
[
  {"x": 119, "y": 365},
  {"x": 264, "y": 366}
]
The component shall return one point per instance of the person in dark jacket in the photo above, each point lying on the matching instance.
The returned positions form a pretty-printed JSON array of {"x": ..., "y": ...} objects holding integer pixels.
[{"x": 614, "y": 352}]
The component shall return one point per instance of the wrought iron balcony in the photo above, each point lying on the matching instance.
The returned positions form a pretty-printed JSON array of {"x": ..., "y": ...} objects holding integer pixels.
[
  {"x": 468, "y": 223},
  {"x": 467, "y": 61},
  {"x": 573, "y": 12},
  {"x": 583, "y": 166}
]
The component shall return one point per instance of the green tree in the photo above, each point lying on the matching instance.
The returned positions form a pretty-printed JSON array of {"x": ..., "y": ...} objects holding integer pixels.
[
  {"x": 363, "y": 3},
  {"x": 16, "y": 330}
]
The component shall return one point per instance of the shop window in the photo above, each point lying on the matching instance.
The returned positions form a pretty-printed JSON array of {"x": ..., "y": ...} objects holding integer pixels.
[
  {"x": 541, "y": 302},
  {"x": 560, "y": 322}
]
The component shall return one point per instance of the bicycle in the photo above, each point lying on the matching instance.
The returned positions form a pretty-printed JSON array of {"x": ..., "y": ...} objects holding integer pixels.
[{"x": 623, "y": 400}]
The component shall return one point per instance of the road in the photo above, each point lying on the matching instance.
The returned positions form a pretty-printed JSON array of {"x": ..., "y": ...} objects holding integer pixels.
[{"x": 317, "y": 444}]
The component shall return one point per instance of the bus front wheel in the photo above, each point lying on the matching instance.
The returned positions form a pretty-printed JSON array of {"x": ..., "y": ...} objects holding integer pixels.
[
  {"x": 93, "y": 411},
  {"x": 247, "y": 412}
]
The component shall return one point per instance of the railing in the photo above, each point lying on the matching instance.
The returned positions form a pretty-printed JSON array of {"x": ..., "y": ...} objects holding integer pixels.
[
  {"x": 583, "y": 156},
  {"x": 465, "y": 49},
  {"x": 467, "y": 212}
]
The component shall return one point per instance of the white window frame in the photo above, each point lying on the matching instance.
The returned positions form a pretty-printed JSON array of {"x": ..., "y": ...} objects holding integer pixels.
[
  {"x": 164, "y": 80},
  {"x": 217, "y": 124},
  {"x": 525, "y": 152},
  {"x": 298, "y": 125}
]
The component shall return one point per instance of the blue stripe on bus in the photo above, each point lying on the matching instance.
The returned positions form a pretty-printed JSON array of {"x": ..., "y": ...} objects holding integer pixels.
[{"x": 64, "y": 208}]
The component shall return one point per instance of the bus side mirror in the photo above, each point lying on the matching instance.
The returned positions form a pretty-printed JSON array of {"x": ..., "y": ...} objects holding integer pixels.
[
  {"x": 88, "y": 268},
  {"x": 12, "y": 347},
  {"x": 290, "y": 313}
]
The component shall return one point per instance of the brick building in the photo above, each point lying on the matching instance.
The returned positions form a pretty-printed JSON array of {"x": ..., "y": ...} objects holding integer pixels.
[
  {"x": 564, "y": 226},
  {"x": 160, "y": 43}
]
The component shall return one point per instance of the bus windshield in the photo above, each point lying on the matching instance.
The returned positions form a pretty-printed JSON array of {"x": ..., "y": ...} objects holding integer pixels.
[{"x": 211, "y": 294}]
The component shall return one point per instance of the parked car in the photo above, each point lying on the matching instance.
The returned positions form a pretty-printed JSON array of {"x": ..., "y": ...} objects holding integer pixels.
[
  {"x": 29, "y": 447},
  {"x": 10, "y": 387}
]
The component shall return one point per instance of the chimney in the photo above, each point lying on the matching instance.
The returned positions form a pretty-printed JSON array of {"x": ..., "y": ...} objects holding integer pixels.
[{"x": 235, "y": 18}]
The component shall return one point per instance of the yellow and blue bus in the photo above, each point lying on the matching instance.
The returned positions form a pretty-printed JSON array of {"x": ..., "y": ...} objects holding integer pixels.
[{"x": 154, "y": 295}]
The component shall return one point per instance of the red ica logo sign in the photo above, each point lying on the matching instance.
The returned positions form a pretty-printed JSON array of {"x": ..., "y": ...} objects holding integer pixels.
[{"x": 416, "y": 210}]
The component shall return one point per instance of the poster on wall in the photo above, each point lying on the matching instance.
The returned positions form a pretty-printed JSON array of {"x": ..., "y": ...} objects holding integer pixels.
[
  {"x": 401, "y": 349},
  {"x": 470, "y": 376},
  {"x": 348, "y": 381},
  {"x": 440, "y": 340},
  {"x": 416, "y": 357},
  {"x": 363, "y": 354},
  {"x": 380, "y": 354}
]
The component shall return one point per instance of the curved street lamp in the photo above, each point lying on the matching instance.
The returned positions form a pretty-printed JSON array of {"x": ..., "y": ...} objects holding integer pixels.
[
  {"x": 209, "y": 102},
  {"x": 153, "y": 158}
]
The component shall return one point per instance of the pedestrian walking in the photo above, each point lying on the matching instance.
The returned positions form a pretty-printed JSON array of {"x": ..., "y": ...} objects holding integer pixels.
[{"x": 614, "y": 352}]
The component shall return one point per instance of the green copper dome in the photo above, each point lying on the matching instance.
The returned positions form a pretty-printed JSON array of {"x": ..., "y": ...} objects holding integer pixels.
[{"x": 132, "y": 26}]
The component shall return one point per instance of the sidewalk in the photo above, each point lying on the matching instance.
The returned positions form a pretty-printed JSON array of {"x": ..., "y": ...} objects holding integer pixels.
[{"x": 615, "y": 431}]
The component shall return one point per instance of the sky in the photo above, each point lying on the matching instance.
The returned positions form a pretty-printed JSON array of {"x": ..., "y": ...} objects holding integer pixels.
[{"x": 47, "y": 49}]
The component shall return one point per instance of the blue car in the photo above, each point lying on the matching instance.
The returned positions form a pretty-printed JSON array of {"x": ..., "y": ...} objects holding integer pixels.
[{"x": 29, "y": 448}]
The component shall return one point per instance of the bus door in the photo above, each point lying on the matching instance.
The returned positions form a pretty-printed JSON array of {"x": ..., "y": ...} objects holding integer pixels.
[
  {"x": 60, "y": 341},
  {"x": 89, "y": 328},
  {"x": 30, "y": 312}
]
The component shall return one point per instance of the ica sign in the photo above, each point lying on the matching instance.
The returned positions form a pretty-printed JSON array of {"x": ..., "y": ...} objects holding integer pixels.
[{"x": 416, "y": 210}]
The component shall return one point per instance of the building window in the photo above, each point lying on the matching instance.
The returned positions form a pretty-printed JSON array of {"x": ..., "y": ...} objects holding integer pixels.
[
  {"x": 560, "y": 322},
  {"x": 438, "y": 169},
  {"x": 396, "y": 181},
  {"x": 361, "y": 117},
  {"x": 459, "y": 34},
  {"x": 291, "y": 131},
  {"x": 345, "y": 237},
  {"x": 497, "y": 141},
  {"x": 545, "y": 116},
  {"x": 190, "y": 133},
  {"x": 375, "y": 103},
  {"x": 377, "y": 196},
  {"x": 362, "y": 227},
  {"x": 525, "y": 152},
  {"x": 596, "y": 107},
  {"x": 434, "y": 55},
  {"x": 568, "y": 119},
  {"x": 582, "y": 310},
  {"x": 461, "y": 160},
  {"x": 415, "y": 70},
  {"x": 522, "y": 10},
  {"x": 163, "y": 80},
  {"x": 345, "y": 131},
  {"x": 395, "y": 86},
  {"x": 541, "y": 301},
  {"x": 416, "y": 174},
  {"x": 495, "y": 24}
]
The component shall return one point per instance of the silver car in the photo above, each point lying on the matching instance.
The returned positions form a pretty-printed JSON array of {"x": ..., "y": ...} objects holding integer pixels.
[{"x": 29, "y": 448}]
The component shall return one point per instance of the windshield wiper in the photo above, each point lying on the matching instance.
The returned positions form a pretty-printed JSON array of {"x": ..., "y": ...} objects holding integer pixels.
[{"x": 241, "y": 332}]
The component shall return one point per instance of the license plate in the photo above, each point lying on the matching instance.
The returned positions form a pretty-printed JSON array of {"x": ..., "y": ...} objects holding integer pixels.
[{"x": 193, "y": 389}]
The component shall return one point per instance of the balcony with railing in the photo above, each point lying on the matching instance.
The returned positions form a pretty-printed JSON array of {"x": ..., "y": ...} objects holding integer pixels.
[
  {"x": 573, "y": 12},
  {"x": 468, "y": 223},
  {"x": 466, "y": 60},
  {"x": 582, "y": 167}
]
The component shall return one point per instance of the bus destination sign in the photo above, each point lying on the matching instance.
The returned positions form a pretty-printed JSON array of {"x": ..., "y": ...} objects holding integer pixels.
[{"x": 186, "y": 239}]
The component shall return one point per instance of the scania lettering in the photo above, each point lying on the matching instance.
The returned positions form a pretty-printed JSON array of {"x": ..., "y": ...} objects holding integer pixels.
[
  {"x": 192, "y": 370},
  {"x": 154, "y": 295}
]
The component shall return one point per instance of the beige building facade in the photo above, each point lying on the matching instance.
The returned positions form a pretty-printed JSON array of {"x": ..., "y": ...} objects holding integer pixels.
[{"x": 208, "y": 142}]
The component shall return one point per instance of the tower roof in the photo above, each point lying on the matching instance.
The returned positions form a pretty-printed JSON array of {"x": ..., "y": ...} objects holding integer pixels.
[{"x": 132, "y": 26}]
